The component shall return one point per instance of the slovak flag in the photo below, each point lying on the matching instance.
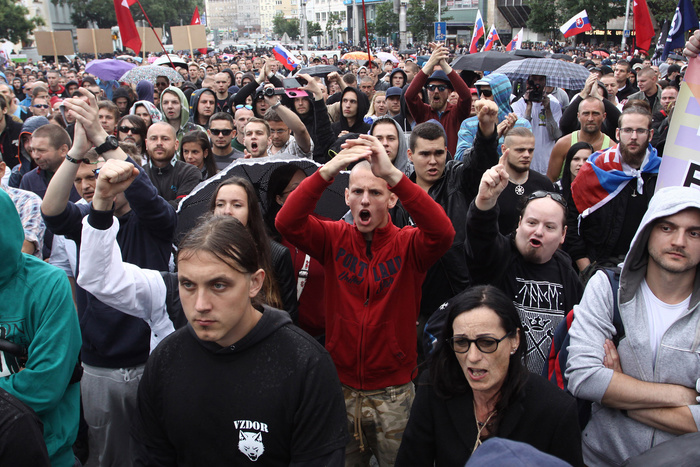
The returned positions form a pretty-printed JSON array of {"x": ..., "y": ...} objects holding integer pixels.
[
  {"x": 576, "y": 25},
  {"x": 285, "y": 57},
  {"x": 490, "y": 39},
  {"x": 478, "y": 33},
  {"x": 517, "y": 42}
]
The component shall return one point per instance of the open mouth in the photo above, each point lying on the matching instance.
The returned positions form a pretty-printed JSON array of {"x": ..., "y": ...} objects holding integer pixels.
[
  {"x": 365, "y": 216},
  {"x": 254, "y": 146},
  {"x": 535, "y": 243},
  {"x": 477, "y": 373}
]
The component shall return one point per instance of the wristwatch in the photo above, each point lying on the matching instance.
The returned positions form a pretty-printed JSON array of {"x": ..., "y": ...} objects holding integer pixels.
[{"x": 110, "y": 144}]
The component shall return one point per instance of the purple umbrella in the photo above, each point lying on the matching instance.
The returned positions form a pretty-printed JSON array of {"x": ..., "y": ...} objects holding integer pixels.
[{"x": 108, "y": 68}]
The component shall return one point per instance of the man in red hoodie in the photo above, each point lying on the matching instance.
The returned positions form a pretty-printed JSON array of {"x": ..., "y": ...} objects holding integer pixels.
[{"x": 373, "y": 277}]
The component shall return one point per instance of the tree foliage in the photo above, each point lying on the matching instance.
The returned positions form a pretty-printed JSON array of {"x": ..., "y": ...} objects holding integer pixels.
[
  {"x": 314, "y": 29},
  {"x": 160, "y": 12},
  {"x": 14, "y": 25},
  {"x": 420, "y": 17},
  {"x": 281, "y": 25},
  {"x": 333, "y": 21},
  {"x": 386, "y": 20},
  {"x": 543, "y": 18}
]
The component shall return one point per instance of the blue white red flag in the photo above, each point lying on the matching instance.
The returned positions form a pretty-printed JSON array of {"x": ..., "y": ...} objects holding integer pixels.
[
  {"x": 490, "y": 39},
  {"x": 517, "y": 41},
  {"x": 576, "y": 25},
  {"x": 478, "y": 33},
  {"x": 602, "y": 177},
  {"x": 285, "y": 57}
]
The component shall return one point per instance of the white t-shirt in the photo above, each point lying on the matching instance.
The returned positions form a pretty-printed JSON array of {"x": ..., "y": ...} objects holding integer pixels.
[
  {"x": 544, "y": 143},
  {"x": 661, "y": 316}
]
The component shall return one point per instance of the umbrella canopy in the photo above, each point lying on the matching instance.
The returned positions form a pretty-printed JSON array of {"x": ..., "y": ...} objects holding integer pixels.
[
  {"x": 319, "y": 70},
  {"x": 527, "y": 53},
  {"x": 355, "y": 56},
  {"x": 257, "y": 171},
  {"x": 602, "y": 53},
  {"x": 384, "y": 56},
  {"x": 559, "y": 73},
  {"x": 407, "y": 51},
  {"x": 150, "y": 73},
  {"x": 164, "y": 61},
  {"x": 568, "y": 58},
  {"x": 483, "y": 61},
  {"x": 109, "y": 68},
  {"x": 421, "y": 59}
]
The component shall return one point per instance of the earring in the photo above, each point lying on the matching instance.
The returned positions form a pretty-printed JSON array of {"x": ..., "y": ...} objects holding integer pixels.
[{"x": 512, "y": 351}]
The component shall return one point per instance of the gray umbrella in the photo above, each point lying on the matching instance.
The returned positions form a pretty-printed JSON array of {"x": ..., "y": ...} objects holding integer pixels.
[
  {"x": 559, "y": 73},
  {"x": 483, "y": 61}
]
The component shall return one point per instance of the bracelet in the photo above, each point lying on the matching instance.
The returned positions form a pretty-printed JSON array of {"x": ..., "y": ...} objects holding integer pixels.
[
  {"x": 77, "y": 161},
  {"x": 274, "y": 106}
]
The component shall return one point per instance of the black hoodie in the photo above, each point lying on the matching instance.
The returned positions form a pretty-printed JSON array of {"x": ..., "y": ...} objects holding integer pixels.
[
  {"x": 360, "y": 125},
  {"x": 272, "y": 396}
]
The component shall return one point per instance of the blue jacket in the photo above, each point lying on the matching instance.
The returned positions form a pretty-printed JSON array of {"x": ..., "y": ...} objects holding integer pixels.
[
  {"x": 112, "y": 339},
  {"x": 502, "y": 89}
]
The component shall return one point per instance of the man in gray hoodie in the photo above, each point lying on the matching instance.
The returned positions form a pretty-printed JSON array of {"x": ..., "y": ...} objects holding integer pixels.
[{"x": 644, "y": 392}]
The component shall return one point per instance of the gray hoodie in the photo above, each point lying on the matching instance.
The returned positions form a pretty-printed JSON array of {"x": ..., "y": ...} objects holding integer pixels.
[{"x": 610, "y": 436}]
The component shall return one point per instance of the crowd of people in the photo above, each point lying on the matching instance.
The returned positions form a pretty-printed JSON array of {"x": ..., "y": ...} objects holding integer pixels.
[{"x": 479, "y": 211}]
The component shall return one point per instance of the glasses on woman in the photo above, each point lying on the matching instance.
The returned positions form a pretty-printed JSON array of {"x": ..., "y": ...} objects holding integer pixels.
[{"x": 461, "y": 344}]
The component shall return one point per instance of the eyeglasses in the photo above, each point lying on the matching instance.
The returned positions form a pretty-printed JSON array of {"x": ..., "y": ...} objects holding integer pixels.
[
  {"x": 436, "y": 87},
  {"x": 486, "y": 92},
  {"x": 543, "y": 194},
  {"x": 127, "y": 129},
  {"x": 639, "y": 131},
  {"x": 216, "y": 132},
  {"x": 240, "y": 106},
  {"x": 461, "y": 344},
  {"x": 41, "y": 106}
]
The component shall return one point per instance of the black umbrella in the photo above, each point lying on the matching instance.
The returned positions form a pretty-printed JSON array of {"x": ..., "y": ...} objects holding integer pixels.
[
  {"x": 319, "y": 70},
  {"x": 568, "y": 58},
  {"x": 527, "y": 53},
  {"x": 483, "y": 61},
  {"x": 407, "y": 51},
  {"x": 677, "y": 57},
  {"x": 257, "y": 171}
]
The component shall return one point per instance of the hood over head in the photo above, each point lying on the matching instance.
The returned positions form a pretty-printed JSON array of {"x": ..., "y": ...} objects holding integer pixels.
[
  {"x": 11, "y": 240},
  {"x": 362, "y": 108},
  {"x": 156, "y": 115},
  {"x": 401, "y": 72},
  {"x": 184, "y": 107},
  {"x": 145, "y": 91},
  {"x": 401, "y": 162},
  {"x": 194, "y": 102},
  {"x": 502, "y": 89},
  {"x": 666, "y": 202},
  {"x": 122, "y": 91}
]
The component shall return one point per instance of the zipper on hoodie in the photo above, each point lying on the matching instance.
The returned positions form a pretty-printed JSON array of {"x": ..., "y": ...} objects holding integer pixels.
[{"x": 365, "y": 312}]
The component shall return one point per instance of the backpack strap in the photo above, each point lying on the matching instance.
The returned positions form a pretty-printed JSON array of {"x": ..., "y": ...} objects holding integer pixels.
[{"x": 613, "y": 275}]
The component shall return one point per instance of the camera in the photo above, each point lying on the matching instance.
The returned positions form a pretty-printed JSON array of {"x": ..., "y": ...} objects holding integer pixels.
[
  {"x": 536, "y": 91},
  {"x": 269, "y": 92}
]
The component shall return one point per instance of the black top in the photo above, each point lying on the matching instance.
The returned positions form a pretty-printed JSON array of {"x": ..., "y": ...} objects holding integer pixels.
[
  {"x": 442, "y": 432},
  {"x": 21, "y": 434},
  {"x": 509, "y": 202}
]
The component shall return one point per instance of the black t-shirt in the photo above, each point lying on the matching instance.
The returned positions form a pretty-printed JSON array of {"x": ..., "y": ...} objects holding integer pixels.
[{"x": 509, "y": 202}]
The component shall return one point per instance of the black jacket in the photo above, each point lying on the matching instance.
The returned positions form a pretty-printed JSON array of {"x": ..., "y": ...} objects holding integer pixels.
[
  {"x": 318, "y": 125},
  {"x": 174, "y": 182},
  {"x": 599, "y": 233},
  {"x": 9, "y": 141},
  {"x": 360, "y": 126},
  {"x": 442, "y": 432}
]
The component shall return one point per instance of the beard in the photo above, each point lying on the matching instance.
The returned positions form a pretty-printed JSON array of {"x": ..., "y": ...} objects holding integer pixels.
[{"x": 633, "y": 158}]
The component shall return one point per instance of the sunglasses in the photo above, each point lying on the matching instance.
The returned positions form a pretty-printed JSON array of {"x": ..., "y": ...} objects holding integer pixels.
[
  {"x": 436, "y": 87},
  {"x": 486, "y": 92},
  {"x": 220, "y": 132},
  {"x": 241, "y": 106},
  {"x": 41, "y": 106},
  {"x": 127, "y": 129},
  {"x": 543, "y": 194}
]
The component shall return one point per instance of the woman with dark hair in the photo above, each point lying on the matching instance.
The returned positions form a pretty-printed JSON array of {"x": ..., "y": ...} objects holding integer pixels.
[
  {"x": 236, "y": 197},
  {"x": 478, "y": 387},
  {"x": 577, "y": 155},
  {"x": 195, "y": 149},
  {"x": 309, "y": 275},
  {"x": 133, "y": 129}
]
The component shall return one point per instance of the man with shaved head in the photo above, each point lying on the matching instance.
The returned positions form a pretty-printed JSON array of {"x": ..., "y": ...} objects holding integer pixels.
[
  {"x": 172, "y": 178},
  {"x": 649, "y": 90},
  {"x": 373, "y": 276}
]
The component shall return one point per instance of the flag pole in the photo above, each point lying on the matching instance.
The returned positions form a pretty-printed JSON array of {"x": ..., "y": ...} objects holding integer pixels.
[
  {"x": 154, "y": 32},
  {"x": 623, "y": 46},
  {"x": 364, "y": 16}
]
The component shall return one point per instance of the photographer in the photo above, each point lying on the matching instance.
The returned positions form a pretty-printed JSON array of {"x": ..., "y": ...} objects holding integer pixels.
[{"x": 543, "y": 112}]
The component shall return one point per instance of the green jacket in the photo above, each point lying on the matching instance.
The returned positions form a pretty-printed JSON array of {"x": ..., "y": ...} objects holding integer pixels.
[{"x": 38, "y": 315}]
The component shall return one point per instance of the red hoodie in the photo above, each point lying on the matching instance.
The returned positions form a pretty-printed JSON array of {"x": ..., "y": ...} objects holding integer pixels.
[{"x": 372, "y": 301}]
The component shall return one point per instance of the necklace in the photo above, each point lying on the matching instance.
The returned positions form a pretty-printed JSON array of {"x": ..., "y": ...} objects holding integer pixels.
[
  {"x": 480, "y": 427},
  {"x": 519, "y": 189}
]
